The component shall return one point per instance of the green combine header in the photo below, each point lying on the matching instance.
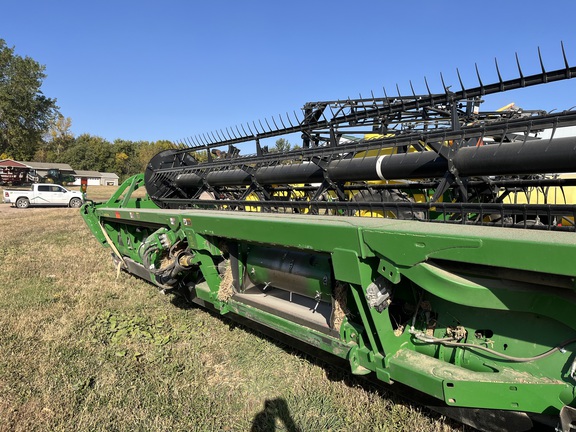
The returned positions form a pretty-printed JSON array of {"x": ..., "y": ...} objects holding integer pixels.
[{"x": 428, "y": 243}]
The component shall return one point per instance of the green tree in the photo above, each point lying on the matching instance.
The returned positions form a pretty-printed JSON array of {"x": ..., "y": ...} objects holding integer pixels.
[
  {"x": 282, "y": 145},
  {"x": 125, "y": 161},
  {"x": 25, "y": 113},
  {"x": 56, "y": 140},
  {"x": 147, "y": 150},
  {"x": 91, "y": 153}
]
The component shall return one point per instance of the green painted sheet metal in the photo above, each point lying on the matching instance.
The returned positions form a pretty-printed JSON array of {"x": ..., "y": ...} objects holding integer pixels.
[
  {"x": 518, "y": 318},
  {"x": 556, "y": 303},
  {"x": 508, "y": 389},
  {"x": 412, "y": 242}
]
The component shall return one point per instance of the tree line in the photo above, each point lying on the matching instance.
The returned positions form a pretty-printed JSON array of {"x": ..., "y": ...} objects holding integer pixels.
[
  {"x": 32, "y": 128},
  {"x": 93, "y": 153}
]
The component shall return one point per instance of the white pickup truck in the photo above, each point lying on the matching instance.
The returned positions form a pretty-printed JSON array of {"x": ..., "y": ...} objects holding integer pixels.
[{"x": 43, "y": 195}]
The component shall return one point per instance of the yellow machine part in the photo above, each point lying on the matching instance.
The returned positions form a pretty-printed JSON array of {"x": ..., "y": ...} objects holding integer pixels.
[{"x": 548, "y": 195}]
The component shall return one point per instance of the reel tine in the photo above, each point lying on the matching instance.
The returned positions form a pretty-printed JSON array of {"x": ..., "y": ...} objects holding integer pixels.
[
  {"x": 361, "y": 100},
  {"x": 275, "y": 125},
  {"x": 288, "y": 118},
  {"x": 428, "y": 90},
  {"x": 282, "y": 121},
  {"x": 255, "y": 128},
  {"x": 444, "y": 84},
  {"x": 414, "y": 94},
  {"x": 352, "y": 111},
  {"x": 239, "y": 133},
  {"x": 400, "y": 96},
  {"x": 250, "y": 129},
  {"x": 244, "y": 130},
  {"x": 267, "y": 124},
  {"x": 226, "y": 135},
  {"x": 375, "y": 103},
  {"x": 412, "y": 89},
  {"x": 230, "y": 133},
  {"x": 223, "y": 136},
  {"x": 207, "y": 139},
  {"x": 461, "y": 83},
  {"x": 427, "y": 87},
  {"x": 542, "y": 65},
  {"x": 499, "y": 76},
  {"x": 522, "y": 82},
  {"x": 265, "y": 121},
  {"x": 296, "y": 116},
  {"x": 479, "y": 79},
  {"x": 568, "y": 74},
  {"x": 386, "y": 96}
]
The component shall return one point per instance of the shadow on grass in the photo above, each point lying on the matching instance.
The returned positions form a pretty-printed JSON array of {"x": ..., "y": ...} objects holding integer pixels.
[{"x": 275, "y": 414}]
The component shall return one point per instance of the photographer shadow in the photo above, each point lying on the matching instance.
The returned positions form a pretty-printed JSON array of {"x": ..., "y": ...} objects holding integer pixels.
[{"x": 275, "y": 415}]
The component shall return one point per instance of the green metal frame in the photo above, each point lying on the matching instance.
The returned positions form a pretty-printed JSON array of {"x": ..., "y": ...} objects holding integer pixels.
[{"x": 511, "y": 290}]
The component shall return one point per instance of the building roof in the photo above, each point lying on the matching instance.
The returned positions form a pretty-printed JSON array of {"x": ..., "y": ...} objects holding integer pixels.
[
  {"x": 11, "y": 163},
  {"x": 84, "y": 173},
  {"x": 47, "y": 165},
  {"x": 110, "y": 175},
  {"x": 44, "y": 166}
]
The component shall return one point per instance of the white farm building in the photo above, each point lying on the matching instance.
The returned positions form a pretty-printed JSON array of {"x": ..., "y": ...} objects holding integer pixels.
[{"x": 96, "y": 178}]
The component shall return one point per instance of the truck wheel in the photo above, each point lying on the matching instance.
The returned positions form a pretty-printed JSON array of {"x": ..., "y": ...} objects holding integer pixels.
[
  {"x": 75, "y": 202},
  {"x": 22, "y": 203}
]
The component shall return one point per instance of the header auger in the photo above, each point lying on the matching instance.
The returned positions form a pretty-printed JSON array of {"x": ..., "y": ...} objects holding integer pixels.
[{"x": 331, "y": 243}]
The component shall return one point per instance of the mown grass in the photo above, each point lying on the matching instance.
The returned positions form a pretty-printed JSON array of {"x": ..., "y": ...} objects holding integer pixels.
[{"x": 83, "y": 350}]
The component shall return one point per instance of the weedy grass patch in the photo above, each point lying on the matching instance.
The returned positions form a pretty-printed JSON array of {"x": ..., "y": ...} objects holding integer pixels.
[{"x": 81, "y": 349}]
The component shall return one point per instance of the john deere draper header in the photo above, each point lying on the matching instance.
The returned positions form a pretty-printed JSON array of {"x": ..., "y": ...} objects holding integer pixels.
[{"x": 425, "y": 241}]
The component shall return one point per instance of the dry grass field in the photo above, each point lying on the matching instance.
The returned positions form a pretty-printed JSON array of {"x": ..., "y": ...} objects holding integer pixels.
[{"x": 82, "y": 349}]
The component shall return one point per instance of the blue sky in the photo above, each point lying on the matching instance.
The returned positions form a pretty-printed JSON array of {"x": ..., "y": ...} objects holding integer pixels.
[{"x": 150, "y": 70}]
